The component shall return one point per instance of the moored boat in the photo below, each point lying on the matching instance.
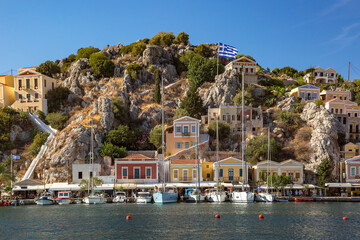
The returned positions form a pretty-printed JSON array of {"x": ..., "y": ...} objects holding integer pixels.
[
  {"x": 45, "y": 198},
  {"x": 242, "y": 197},
  {"x": 96, "y": 197},
  {"x": 63, "y": 198},
  {"x": 303, "y": 199},
  {"x": 120, "y": 197},
  {"x": 213, "y": 195},
  {"x": 143, "y": 197},
  {"x": 195, "y": 196},
  {"x": 165, "y": 197},
  {"x": 264, "y": 197}
]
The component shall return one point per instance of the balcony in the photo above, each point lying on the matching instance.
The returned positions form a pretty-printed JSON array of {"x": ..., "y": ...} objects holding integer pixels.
[
  {"x": 184, "y": 179},
  {"x": 186, "y": 133},
  {"x": 231, "y": 179}
]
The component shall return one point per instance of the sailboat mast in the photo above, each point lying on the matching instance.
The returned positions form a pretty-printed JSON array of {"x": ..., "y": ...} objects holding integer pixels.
[
  {"x": 162, "y": 132},
  {"x": 267, "y": 166},
  {"x": 92, "y": 153},
  {"x": 217, "y": 150},
  {"x": 243, "y": 122},
  {"x": 197, "y": 156}
]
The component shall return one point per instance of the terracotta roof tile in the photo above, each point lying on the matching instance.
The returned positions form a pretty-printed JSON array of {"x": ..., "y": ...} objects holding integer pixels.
[
  {"x": 29, "y": 67},
  {"x": 184, "y": 161},
  {"x": 136, "y": 156}
]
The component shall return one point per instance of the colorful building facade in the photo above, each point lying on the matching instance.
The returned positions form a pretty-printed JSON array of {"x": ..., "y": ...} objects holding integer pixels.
[
  {"x": 208, "y": 171},
  {"x": 7, "y": 95},
  {"x": 136, "y": 168},
  {"x": 352, "y": 169},
  {"x": 182, "y": 135},
  {"x": 30, "y": 90},
  {"x": 340, "y": 94},
  {"x": 321, "y": 75},
  {"x": 306, "y": 92},
  {"x": 230, "y": 170},
  {"x": 185, "y": 170},
  {"x": 249, "y": 67}
]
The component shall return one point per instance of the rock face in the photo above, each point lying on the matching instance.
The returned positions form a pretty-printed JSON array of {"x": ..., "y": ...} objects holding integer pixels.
[
  {"x": 223, "y": 90},
  {"x": 156, "y": 55},
  {"x": 104, "y": 108},
  {"x": 323, "y": 137},
  {"x": 287, "y": 103}
]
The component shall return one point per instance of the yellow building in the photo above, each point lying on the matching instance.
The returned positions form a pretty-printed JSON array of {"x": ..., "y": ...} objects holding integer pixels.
[
  {"x": 306, "y": 92},
  {"x": 184, "y": 170},
  {"x": 208, "y": 171},
  {"x": 30, "y": 90},
  {"x": 287, "y": 168},
  {"x": 321, "y": 75},
  {"x": 249, "y": 67},
  {"x": 182, "y": 135},
  {"x": 351, "y": 150},
  {"x": 229, "y": 170},
  {"x": 7, "y": 95},
  {"x": 338, "y": 94}
]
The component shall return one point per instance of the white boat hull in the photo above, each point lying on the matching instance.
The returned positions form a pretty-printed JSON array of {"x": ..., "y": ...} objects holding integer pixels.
[
  {"x": 143, "y": 200},
  {"x": 119, "y": 200},
  {"x": 195, "y": 198},
  {"x": 265, "y": 197},
  {"x": 95, "y": 200},
  {"x": 242, "y": 197},
  {"x": 63, "y": 201},
  {"x": 165, "y": 197},
  {"x": 44, "y": 202},
  {"x": 216, "y": 197}
]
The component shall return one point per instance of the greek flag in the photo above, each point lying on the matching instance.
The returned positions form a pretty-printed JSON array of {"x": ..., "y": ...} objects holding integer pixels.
[
  {"x": 15, "y": 157},
  {"x": 227, "y": 51}
]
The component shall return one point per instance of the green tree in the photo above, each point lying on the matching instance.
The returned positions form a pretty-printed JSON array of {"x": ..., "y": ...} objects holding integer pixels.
[
  {"x": 121, "y": 113},
  {"x": 248, "y": 96},
  {"x": 155, "y": 136},
  {"x": 133, "y": 69},
  {"x": 193, "y": 103},
  {"x": 5, "y": 173},
  {"x": 157, "y": 93},
  {"x": 86, "y": 52},
  {"x": 289, "y": 118},
  {"x": 179, "y": 113},
  {"x": 57, "y": 97},
  {"x": 41, "y": 115},
  {"x": 258, "y": 148},
  {"x": 113, "y": 151},
  {"x": 84, "y": 184},
  {"x": 48, "y": 68},
  {"x": 183, "y": 38},
  {"x": 39, "y": 140},
  {"x": 102, "y": 66},
  {"x": 203, "y": 50},
  {"x": 122, "y": 136},
  {"x": 323, "y": 171},
  {"x": 162, "y": 39},
  {"x": 57, "y": 120},
  {"x": 138, "y": 49},
  {"x": 224, "y": 129}
]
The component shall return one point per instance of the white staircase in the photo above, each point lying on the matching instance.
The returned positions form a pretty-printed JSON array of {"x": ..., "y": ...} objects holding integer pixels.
[{"x": 46, "y": 128}]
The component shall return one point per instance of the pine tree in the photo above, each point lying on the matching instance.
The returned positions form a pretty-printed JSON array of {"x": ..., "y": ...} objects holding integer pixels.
[
  {"x": 157, "y": 94},
  {"x": 193, "y": 103}
]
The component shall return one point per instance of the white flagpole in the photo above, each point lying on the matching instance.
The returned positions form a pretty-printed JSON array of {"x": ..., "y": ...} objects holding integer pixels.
[{"x": 217, "y": 65}]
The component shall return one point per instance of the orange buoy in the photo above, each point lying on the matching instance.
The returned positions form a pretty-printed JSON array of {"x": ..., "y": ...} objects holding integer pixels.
[
  {"x": 217, "y": 216},
  {"x": 261, "y": 216},
  {"x": 345, "y": 218},
  {"x": 128, "y": 217}
]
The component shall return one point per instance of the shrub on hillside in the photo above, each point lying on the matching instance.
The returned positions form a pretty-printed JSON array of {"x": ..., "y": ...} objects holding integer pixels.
[
  {"x": 48, "y": 68},
  {"x": 120, "y": 111},
  {"x": 86, "y": 52},
  {"x": 39, "y": 140},
  {"x": 288, "y": 118},
  {"x": 69, "y": 60},
  {"x": 57, "y": 120},
  {"x": 41, "y": 115},
  {"x": 113, "y": 151},
  {"x": 122, "y": 136},
  {"x": 57, "y": 97},
  {"x": 157, "y": 93},
  {"x": 133, "y": 70},
  {"x": 323, "y": 171},
  {"x": 179, "y": 113},
  {"x": 258, "y": 148},
  {"x": 155, "y": 136},
  {"x": 138, "y": 49},
  {"x": 248, "y": 96},
  {"x": 203, "y": 50},
  {"x": 162, "y": 39},
  {"x": 224, "y": 130},
  {"x": 182, "y": 38},
  {"x": 102, "y": 66},
  {"x": 193, "y": 103}
]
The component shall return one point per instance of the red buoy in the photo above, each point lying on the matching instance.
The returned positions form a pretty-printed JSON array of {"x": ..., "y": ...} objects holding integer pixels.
[
  {"x": 217, "y": 215},
  {"x": 128, "y": 217},
  {"x": 261, "y": 216},
  {"x": 345, "y": 218}
]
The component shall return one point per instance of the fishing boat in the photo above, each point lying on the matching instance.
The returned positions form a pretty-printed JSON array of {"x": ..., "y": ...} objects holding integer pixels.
[
  {"x": 63, "y": 198},
  {"x": 214, "y": 195},
  {"x": 303, "y": 199},
  {"x": 162, "y": 195},
  {"x": 95, "y": 197},
  {"x": 45, "y": 198},
  {"x": 120, "y": 197},
  {"x": 143, "y": 197},
  {"x": 267, "y": 196},
  {"x": 195, "y": 196},
  {"x": 78, "y": 201}
]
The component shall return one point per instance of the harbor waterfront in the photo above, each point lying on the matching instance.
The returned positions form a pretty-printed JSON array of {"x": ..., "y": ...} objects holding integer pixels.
[{"x": 182, "y": 221}]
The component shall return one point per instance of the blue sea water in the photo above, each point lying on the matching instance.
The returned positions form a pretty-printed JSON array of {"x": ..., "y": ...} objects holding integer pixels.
[{"x": 182, "y": 221}]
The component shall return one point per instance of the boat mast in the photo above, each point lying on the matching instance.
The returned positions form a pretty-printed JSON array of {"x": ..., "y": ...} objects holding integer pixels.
[
  {"x": 217, "y": 150},
  {"x": 268, "y": 171},
  {"x": 243, "y": 123},
  {"x": 162, "y": 132},
  {"x": 92, "y": 154},
  {"x": 197, "y": 157}
]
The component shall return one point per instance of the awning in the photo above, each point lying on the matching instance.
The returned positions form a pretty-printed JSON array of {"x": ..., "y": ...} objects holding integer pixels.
[{"x": 338, "y": 185}]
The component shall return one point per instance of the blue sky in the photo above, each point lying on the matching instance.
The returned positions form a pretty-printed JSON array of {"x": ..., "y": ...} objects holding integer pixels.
[{"x": 298, "y": 33}]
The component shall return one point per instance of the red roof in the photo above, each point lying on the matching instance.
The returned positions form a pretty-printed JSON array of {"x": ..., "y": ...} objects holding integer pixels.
[
  {"x": 27, "y": 73},
  {"x": 184, "y": 161},
  {"x": 136, "y": 156},
  {"x": 330, "y": 100}
]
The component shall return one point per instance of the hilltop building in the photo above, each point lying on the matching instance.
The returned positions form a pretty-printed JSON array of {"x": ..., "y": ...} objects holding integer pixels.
[
  {"x": 249, "y": 68},
  {"x": 30, "y": 90},
  {"x": 6, "y": 90},
  {"x": 321, "y": 76},
  {"x": 340, "y": 94},
  {"x": 306, "y": 92},
  {"x": 232, "y": 116}
]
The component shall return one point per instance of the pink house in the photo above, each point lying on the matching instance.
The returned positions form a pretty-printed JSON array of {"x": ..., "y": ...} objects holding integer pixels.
[{"x": 352, "y": 169}]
